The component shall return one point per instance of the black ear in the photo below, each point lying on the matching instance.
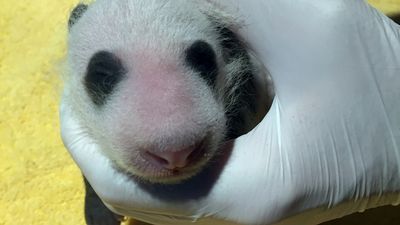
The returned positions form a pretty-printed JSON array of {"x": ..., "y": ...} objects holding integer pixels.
[
  {"x": 76, "y": 13},
  {"x": 241, "y": 88}
]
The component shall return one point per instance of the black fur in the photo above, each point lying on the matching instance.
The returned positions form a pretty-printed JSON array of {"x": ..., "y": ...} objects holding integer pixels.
[
  {"x": 245, "y": 90},
  {"x": 76, "y": 13},
  {"x": 201, "y": 57},
  {"x": 104, "y": 72}
]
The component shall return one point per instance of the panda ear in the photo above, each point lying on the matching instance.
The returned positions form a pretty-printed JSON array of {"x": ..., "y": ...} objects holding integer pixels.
[
  {"x": 232, "y": 46},
  {"x": 76, "y": 13},
  {"x": 236, "y": 55}
]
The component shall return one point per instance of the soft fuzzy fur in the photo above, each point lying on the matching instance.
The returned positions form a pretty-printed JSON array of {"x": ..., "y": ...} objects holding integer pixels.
[{"x": 150, "y": 37}]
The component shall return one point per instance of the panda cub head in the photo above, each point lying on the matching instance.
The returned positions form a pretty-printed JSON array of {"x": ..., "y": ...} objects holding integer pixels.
[{"x": 160, "y": 84}]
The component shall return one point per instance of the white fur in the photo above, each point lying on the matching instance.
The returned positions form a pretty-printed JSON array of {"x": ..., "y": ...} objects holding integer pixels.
[{"x": 165, "y": 28}]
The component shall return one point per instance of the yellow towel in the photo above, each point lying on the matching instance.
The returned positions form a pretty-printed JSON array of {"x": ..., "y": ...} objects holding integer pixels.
[
  {"x": 387, "y": 6},
  {"x": 39, "y": 183}
]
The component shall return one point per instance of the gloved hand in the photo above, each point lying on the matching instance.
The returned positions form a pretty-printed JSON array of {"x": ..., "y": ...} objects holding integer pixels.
[{"x": 329, "y": 146}]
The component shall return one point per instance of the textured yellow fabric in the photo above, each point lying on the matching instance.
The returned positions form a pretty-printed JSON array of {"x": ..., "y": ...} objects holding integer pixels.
[
  {"x": 387, "y": 6},
  {"x": 39, "y": 183}
]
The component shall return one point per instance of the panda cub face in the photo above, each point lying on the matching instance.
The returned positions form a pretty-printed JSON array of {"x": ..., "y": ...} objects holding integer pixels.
[{"x": 159, "y": 84}]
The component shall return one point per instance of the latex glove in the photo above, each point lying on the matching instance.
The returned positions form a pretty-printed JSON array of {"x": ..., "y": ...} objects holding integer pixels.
[{"x": 332, "y": 135}]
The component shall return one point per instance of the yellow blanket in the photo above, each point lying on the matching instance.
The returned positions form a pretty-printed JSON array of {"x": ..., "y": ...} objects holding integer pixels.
[{"x": 39, "y": 183}]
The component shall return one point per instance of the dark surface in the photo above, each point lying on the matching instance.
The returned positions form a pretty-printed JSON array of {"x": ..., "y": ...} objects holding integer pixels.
[
  {"x": 386, "y": 215},
  {"x": 395, "y": 18},
  {"x": 96, "y": 213}
]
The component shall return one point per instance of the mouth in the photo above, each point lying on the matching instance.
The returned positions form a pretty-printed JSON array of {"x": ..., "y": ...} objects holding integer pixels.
[{"x": 156, "y": 169}]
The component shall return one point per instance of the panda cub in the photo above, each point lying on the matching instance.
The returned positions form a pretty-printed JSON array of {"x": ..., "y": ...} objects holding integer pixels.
[{"x": 160, "y": 85}]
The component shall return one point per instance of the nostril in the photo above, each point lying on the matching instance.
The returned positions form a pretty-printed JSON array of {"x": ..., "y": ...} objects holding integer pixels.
[
  {"x": 169, "y": 159},
  {"x": 154, "y": 159}
]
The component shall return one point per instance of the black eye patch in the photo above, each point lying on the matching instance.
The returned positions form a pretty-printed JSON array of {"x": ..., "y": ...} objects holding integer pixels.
[
  {"x": 104, "y": 72},
  {"x": 201, "y": 57}
]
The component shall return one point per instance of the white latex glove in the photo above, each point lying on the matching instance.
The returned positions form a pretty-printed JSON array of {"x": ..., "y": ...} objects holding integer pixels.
[{"x": 329, "y": 146}]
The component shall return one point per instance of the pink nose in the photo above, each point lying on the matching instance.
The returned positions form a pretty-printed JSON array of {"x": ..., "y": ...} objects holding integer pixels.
[{"x": 170, "y": 159}]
